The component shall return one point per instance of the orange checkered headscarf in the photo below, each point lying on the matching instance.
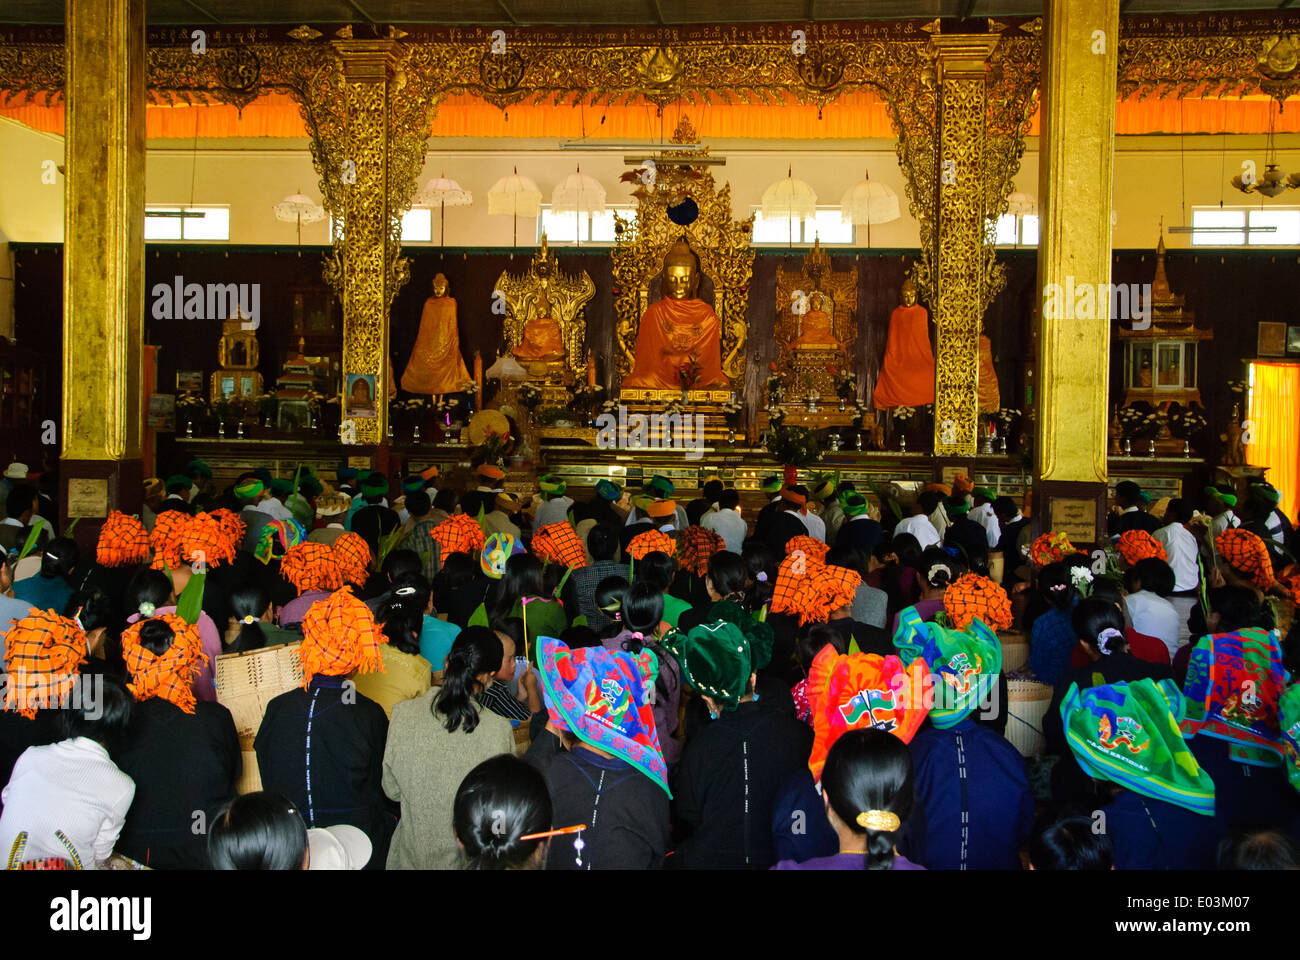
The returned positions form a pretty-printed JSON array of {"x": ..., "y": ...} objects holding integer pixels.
[
  {"x": 123, "y": 540},
  {"x": 649, "y": 542},
  {"x": 339, "y": 635},
  {"x": 459, "y": 534},
  {"x": 1135, "y": 545},
  {"x": 230, "y": 522},
  {"x": 698, "y": 545},
  {"x": 1049, "y": 548},
  {"x": 170, "y": 674},
  {"x": 559, "y": 543},
  {"x": 352, "y": 554},
  {"x": 972, "y": 596},
  {"x": 809, "y": 545},
  {"x": 1247, "y": 554},
  {"x": 311, "y": 566},
  {"x": 812, "y": 590},
  {"x": 43, "y": 654},
  {"x": 204, "y": 538},
  {"x": 165, "y": 538},
  {"x": 833, "y": 587}
]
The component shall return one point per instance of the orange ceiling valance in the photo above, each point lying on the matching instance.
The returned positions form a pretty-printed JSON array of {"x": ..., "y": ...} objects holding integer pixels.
[{"x": 852, "y": 116}]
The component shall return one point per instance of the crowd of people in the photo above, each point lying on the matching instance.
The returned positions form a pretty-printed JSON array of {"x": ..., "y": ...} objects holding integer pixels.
[{"x": 639, "y": 681}]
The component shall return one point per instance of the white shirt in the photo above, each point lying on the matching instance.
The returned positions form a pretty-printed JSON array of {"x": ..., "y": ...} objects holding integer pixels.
[
  {"x": 1180, "y": 548},
  {"x": 729, "y": 525},
  {"x": 73, "y": 787},
  {"x": 920, "y": 527},
  {"x": 275, "y": 509},
  {"x": 1155, "y": 616},
  {"x": 1222, "y": 522},
  {"x": 552, "y": 511},
  {"x": 815, "y": 524},
  {"x": 939, "y": 520},
  {"x": 986, "y": 518},
  {"x": 1276, "y": 528}
]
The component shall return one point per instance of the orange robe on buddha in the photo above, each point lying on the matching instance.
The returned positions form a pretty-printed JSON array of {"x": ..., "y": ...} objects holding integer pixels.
[
  {"x": 541, "y": 340},
  {"x": 436, "y": 365},
  {"x": 990, "y": 398},
  {"x": 672, "y": 334},
  {"x": 907, "y": 375},
  {"x": 817, "y": 332}
]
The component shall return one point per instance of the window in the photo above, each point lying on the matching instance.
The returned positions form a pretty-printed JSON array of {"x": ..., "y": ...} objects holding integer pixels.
[
  {"x": 417, "y": 226},
  {"x": 586, "y": 227},
  {"x": 1251, "y": 226},
  {"x": 213, "y": 225},
  {"x": 1015, "y": 230},
  {"x": 827, "y": 225}
]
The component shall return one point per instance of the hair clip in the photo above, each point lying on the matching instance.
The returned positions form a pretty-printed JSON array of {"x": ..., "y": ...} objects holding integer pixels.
[
  {"x": 249, "y": 619},
  {"x": 147, "y": 609},
  {"x": 405, "y": 591},
  {"x": 761, "y": 577},
  {"x": 1110, "y": 633},
  {"x": 559, "y": 831},
  {"x": 885, "y": 821}
]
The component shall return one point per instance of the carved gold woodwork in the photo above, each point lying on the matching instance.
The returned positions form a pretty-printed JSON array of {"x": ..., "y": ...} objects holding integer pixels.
[
  {"x": 568, "y": 294},
  {"x": 815, "y": 286}
]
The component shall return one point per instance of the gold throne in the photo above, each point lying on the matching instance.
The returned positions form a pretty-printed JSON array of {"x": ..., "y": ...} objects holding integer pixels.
[
  {"x": 816, "y": 326},
  {"x": 725, "y": 256}
]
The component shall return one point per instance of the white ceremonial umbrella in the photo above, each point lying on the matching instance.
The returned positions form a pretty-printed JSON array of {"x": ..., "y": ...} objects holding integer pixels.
[
  {"x": 517, "y": 196},
  {"x": 868, "y": 202},
  {"x": 445, "y": 193},
  {"x": 789, "y": 198},
  {"x": 1021, "y": 205},
  {"x": 297, "y": 208},
  {"x": 578, "y": 194}
]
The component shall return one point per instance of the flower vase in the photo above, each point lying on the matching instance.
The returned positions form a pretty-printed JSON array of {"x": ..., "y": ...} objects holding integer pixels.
[
  {"x": 415, "y": 435},
  {"x": 189, "y": 428},
  {"x": 731, "y": 436},
  {"x": 843, "y": 404},
  {"x": 835, "y": 442},
  {"x": 857, "y": 440},
  {"x": 240, "y": 431},
  {"x": 1128, "y": 447},
  {"x": 390, "y": 429},
  {"x": 811, "y": 403},
  {"x": 902, "y": 443},
  {"x": 221, "y": 429}
]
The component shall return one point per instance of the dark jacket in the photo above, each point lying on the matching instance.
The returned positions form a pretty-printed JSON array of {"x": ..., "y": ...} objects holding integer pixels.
[
  {"x": 1137, "y": 519},
  {"x": 727, "y": 782},
  {"x": 185, "y": 767},
  {"x": 862, "y": 533},
  {"x": 968, "y": 536},
  {"x": 631, "y": 830},
  {"x": 323, "y": 748},
  {"x": 1150, "y": 834}
]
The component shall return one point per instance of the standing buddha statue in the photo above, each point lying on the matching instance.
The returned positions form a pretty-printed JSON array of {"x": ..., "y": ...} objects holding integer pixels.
[
  {"x": 907, "y": 375},
  {"x": 436, "y": 366}
]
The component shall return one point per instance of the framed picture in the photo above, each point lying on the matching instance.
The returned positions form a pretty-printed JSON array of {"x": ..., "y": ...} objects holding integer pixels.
[
  {"x": 189, "y": 381},
  {"x": 293, "y": 416},
  {"x": 1293, "y": 339},
  {"x": 360, "y": 396},
  {"x": 162, "y": 412},
  {"x": 227, "y": 386},
  {"x": 1272, "y": 340}
]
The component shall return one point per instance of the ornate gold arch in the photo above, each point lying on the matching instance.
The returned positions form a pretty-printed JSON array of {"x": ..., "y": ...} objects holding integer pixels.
[{"x": 568, "y": 294}]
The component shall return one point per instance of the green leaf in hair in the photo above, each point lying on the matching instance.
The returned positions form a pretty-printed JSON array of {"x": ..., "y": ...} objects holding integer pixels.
[
  {"x": 30, "y": 543},
  {"x": 297, "y": 475},
  {"x": 190, "y": 603},
  {"x": 853, "y": 644},
  {"x": 560, "y": 586},
  {"x": 71, "y": 526}
]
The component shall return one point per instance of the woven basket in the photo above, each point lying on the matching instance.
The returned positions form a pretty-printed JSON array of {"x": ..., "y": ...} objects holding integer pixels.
[
  {"x": 246, "y": 683},
  {"x": 1015, "y": 650},
  {"x": 1027, "y": 703},
  {"x": 996, "y": 564}
]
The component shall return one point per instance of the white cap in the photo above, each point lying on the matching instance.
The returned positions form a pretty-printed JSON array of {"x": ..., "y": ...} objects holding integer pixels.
[
  {"x": 16, "y": 471},
  {"x": 340, "y": 847}
]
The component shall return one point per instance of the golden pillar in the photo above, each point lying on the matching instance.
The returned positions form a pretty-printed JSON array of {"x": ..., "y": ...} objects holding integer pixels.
[
  {"x": 959, "y": 273},
  {"x": 103, "y": 256},
  {"x": 1076, "y": 159},
  {"x": 362, "y": 162}
]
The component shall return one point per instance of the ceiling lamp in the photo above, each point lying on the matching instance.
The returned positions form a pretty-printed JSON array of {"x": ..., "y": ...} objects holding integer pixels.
[
  {"x": 1022, "y": 205},
  {"x": 580, "y": 195},
  {"x": 445, "y": 193},
  {"x": 299, "y": 209},
  {"x": 1274, "y": 181},
  {"x": 517, "y": 196},
  {"x": 789, "y": 199},
  {"x": 869, "y": 202}
]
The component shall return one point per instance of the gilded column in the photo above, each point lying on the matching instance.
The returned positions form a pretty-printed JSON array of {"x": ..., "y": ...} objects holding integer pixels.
[
  {"x": 103, "y": 257},
  {"x": 1076, "y": 159},
  {"x": 959, "y": 272}
]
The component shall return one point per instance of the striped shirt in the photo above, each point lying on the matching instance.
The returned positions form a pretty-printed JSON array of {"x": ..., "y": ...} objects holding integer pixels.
[{"x": 497, "y": 698}]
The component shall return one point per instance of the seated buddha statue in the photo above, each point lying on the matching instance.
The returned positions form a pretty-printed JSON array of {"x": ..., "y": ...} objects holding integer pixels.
[
  {"x": 816, "y": 327},
  {"x": 542, "y": 339},
  {"x": 436, "y": 366},
  {"x": 679, "y": 332}
]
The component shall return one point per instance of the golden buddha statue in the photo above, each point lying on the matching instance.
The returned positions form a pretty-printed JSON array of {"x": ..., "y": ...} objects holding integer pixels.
[
  {"x": 436, "y": 366},
  {"x": 678, "y": 331},
  {"x": 907, "y": 374},
  {"x": 816, "y": 327},
  {"x": 990, "y": 397},
  {"x": 542, "y": 338}
]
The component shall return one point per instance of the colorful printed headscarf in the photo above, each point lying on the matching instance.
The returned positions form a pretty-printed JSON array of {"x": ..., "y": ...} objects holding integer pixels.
[
  {"x": 43, "y": 656},
  {"x": 498, "y": 549},
  {"x": 716, "y": 660},
  {"x": 311, "y": 566},
  {"x": 608, "y": 490},
  {"x": 861, "y": 691},
  {"x": 560, "y": 544},
  {"x": 1289, "y": 709},
  {"x": 1136, "y": 545},
  {"x": 1234, "y": 682},
  {"x": 339, "y": 635},
  {"x": 1246, "y": 553},
  {"x": 123, "y": 540},
  {"x": 277, "y": 538},
  {"x": 352, "y": 555},
  {"x": 603, "y": 698},
  {"x": 698, "y": 545},
  {"x": 964, "y": 664},
  {"x": 1128, "y": 733},
  {"x": 973, "y": 597},
  {"x": 458, "y": 534},
  {"x": 649, "y": 542},
  {"x": 169, "y": 675},
  {"x": 1050, "y": 548}
]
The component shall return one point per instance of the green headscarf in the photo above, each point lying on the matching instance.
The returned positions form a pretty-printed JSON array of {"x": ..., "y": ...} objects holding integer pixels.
[
  {"x": 956, "y": 506},
  {"x": 551, "y": 486},
  {"x": 772, "y": 484},
  {"x": 716, "y": 660},
  {"x": 250, "y": 489},
  {"x": 608, "y": 490},
  {"x": 965, "y": 664},
  {"x": 761, "y": 636}
]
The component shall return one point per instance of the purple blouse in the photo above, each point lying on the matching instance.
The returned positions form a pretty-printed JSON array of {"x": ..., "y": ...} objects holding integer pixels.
[{"x": 843, "y": 861}]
